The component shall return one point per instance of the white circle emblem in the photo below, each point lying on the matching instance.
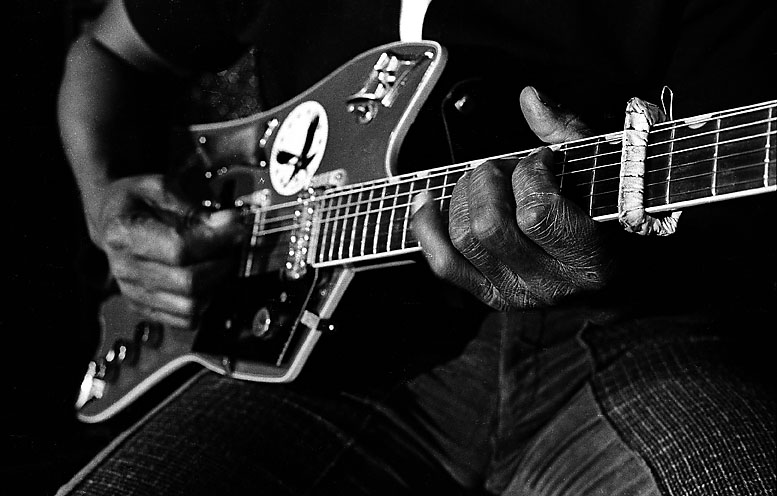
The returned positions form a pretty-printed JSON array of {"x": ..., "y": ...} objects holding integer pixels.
[{"x": 298, "y": 148}]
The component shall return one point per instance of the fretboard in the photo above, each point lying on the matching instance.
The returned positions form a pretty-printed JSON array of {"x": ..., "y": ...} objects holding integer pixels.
[{"x": 691, "y": 161}]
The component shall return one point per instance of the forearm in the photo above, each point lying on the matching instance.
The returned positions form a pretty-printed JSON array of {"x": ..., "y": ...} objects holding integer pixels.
[{"x": 101, "y": 107}]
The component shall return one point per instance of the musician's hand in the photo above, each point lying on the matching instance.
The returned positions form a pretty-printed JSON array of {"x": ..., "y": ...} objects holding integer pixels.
[
  {"x": 512, "y": 240},
  {"x": 166, "y": 255}
]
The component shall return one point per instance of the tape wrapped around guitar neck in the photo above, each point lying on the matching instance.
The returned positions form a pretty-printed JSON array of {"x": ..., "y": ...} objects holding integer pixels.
[{"x": 640, "y": 117}]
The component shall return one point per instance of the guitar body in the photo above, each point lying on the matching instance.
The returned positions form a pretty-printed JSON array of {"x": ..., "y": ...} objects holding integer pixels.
[
  {"x": 315, "y": 181},
  {"x": 346, "y": 129}
]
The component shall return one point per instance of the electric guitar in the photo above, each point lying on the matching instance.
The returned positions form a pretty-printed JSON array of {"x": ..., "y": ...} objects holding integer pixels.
[{"x": 315, "y": 180}]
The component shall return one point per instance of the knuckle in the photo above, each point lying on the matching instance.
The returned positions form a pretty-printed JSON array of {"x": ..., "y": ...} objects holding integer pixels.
[
  {"x": 462, "y": 239},
  {"x": 494, "y": 298},
  {"x": 535, "y": 210},
  {"x": 485, "y": 225},
  {"x": 488, "y": 226}
]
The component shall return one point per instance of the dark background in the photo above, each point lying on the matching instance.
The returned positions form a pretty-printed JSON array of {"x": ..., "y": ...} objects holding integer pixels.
[
  {"x": 46, "y": 324},
  {"x": 45, "y": 342}
]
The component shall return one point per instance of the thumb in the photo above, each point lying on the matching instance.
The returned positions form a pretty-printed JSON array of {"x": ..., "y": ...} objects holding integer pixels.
[{"x": 549, "y": 121}]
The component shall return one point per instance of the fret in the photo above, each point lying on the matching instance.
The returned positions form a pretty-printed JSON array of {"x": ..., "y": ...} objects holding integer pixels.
[
  {"x": 658, "y": 167},
  {"x": 337, "y": 218},
  {"x": 714, "y": 185},
  {"x": 391, "y": 217},
  {"x": 669, "y": 167},
  {"x": 692, "y": 161},
  {"x": 366, "y": 221},
  {"x": 407, "y": 214},
  {"x": 378, "y": 226},
  {"x": 577, "y": 169},
  {"x": 370, "y": 222},
  {"x": 604, "y": 199},
  {"x": 594, "y": 166},
  {"x": 347, "y": 227},
  {"x": 443, "y": 192},
  {"x": 433, "y": 184},
  {"x": 326, "y": 209},
  {"x": 741, "y": 144},
  {"x": 449, "y": 183},
  {"x": 562, "y": 173},
  {"x": 354, "y": 218},
  {"x": 771, "y": 152}
]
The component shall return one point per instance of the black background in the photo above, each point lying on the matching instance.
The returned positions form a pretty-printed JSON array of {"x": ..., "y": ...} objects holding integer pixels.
[{"x": 44, "y": 340}]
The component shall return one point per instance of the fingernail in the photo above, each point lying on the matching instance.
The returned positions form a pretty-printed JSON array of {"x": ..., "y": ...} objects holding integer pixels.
[
  {"x": 419, "y": 201},
  {"x": 545, "y": 99}
]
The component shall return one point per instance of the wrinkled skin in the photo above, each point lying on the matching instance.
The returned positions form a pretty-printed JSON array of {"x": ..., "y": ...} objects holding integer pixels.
[{"x": 512, "y": 240}]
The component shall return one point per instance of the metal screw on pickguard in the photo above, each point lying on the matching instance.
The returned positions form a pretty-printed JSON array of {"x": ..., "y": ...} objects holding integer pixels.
[
  {"x": 148, "y": 333},
  {"x": 126, "y": 351}
]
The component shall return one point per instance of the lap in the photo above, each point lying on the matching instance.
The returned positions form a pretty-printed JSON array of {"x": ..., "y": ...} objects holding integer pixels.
[
  {"x": 221, "y": 436},
  {"x": 640, "y": 406}
]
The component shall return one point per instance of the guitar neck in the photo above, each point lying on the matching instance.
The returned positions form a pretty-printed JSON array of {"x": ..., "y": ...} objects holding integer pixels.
[{"x": 691, "y": 161}]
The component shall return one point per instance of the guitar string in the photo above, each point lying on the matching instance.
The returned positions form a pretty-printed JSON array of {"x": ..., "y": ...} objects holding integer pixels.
[
  {"x": 426, "y": 176},
  {"x": 759, "y": 165},
  {"x": 286, "y": 227},
  {"x": 406, "y": 206},
  {"x": 451, "y": 169},
  {"x": 383, "y": 184},
  {"x": 395, "y": 228},
  {"x": 678, "y": 168},
  {"x": 672, "y": 142},
  {"x": 615, "y": 137},
  {"x": 521, "y": 154},
  {"x": 675, "y": 167}
]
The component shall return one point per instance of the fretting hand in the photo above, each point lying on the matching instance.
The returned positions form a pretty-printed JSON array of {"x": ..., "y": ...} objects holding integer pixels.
[{"x": 512, "y": 240}]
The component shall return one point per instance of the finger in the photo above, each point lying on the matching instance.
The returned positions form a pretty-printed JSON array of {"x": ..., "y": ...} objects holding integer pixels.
[
  {"x": 163, "y": 307},
  {"x": 445, "y": 261},
  {"x": 493, "y": 226},
  {"x": 191, "y": 280},
  {"x": 149, "y": 238},
  {"x": 145, "y": 237},
  {"x": 550, "y": 122},
  {"x": 168, "y": 319},
  {"x": 562, "y": 229},
  {"x": 510, "y": 261}
]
